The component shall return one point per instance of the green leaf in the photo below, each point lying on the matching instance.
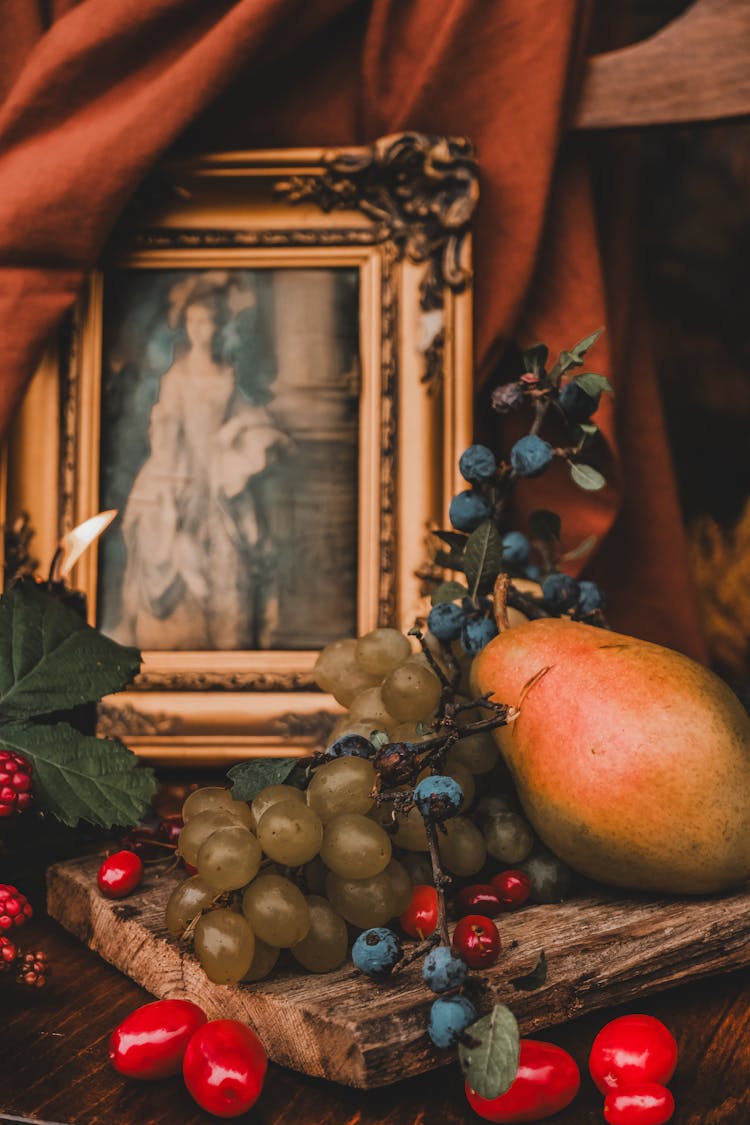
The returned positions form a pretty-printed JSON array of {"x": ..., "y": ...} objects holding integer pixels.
[
  {"x": 448, "y": 592},
  {"x": 544, "y": 525},
  {"x": 582, "y": 549},
  {"x": 248, "y": 778},
  {"x": 450, "y": 561},
  {"x": 588, "y": 428},
  {"x": 79, "y": 777},
  {"x": 379, "y": 738},
  {"x": 483, "y": 558},
  {"x": 574, "y": 357},
  {"x": 593, "y": 385},
  {"x": 533, "y": 980},
  {"x": 535, "y": 358},
  {"x": 456, "y": 540},
  {"x": 490, "y": 1063},
  {"x": 580, "y": 349},
  {"x": 587, "y": 478},
  {"x": 51, "y": 660}
]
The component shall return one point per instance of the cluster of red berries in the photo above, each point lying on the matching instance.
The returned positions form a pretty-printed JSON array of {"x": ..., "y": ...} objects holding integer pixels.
[
  {"x": 31, "y": 969},
  {"x": 15, "y": 783}
]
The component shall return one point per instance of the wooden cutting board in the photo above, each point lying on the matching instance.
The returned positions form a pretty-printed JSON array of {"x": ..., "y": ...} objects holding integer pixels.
[{"x": 601, "y": 950}]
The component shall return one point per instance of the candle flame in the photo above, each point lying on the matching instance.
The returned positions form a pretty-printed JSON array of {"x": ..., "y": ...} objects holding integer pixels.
[{"x": 80, "y": 539}]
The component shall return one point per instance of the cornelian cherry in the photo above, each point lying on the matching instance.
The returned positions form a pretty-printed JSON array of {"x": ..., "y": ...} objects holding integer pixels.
[
  {"x": 151, "y": 1041},
  {"x": 224, "y": 1067},
  {"x": 420, "y": 918},
  {"x": 547, "y": 1080},
  {"x": 120, "y": 874},
  {"x": 476, "y": 939},
  {"x": 512, "y": 888},
  {"x": 632, "y": 1049},
  {"x": 645, "y": 1103},
  {"x": 480, "y": 898}
]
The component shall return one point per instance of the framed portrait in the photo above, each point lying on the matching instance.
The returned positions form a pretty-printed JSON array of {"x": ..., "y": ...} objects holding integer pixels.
[{"x": 269, "y": 378}]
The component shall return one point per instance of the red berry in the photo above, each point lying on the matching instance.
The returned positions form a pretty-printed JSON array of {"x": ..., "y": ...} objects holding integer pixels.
[
  {"x": 15, "y": 783},
  {"x": 224, "y": 1067},
  {"x": 644, "y": 1103},
  {"x": 420, "y": 918},
  {"x": 169, "y": 828},
  {"x": 15, "y": 908},
  {"x": 547, "y": 1080},
  {"x": 632, "y": 1049},
  {"x": 512, "y": 888},
  {"x": 151, "y": 1041},
  {"x": 477, "y": 940},
  {"x": 8, "y": 953},
  {"x": 120, "y": 874},
  {"x": 480, "y": 898}
]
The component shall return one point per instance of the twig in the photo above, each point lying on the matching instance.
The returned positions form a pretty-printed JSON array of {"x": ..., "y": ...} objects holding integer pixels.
[
  {"x": 500, "y": 600},
  {"x": 415, "y": 632},
  {"x": 438, "y": 878},
  {"x": 418, "y": 951}
]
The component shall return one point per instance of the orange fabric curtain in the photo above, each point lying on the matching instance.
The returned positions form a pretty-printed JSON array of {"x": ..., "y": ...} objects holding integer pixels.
[{"x": 96, "y": 98}]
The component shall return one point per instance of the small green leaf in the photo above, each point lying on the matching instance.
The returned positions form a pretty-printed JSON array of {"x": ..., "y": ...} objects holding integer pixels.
[
  {"x": 580, "y": 349},
  {"x": 415, "y": 631},
  {"x": 456, "y": 540},
  {"x": 574, "y": 357},
  {"x": 483, "y": 558},
  {"x": 51, "y": 660},
  {"x": 450, "y": 561},
  {"x": 79, "y": 777},
  {"x": 490, "y": 1063},
  {"x": 587, "y": 478},
  {"x": 535, "y": 358},
  {"x": 448, "y": 592},
  {"x": 588, "y": 428},
  {"x": 582, "y": 549},
  {"x": 248, "y": 778},
  {"x": 593, "y": 385},
  {"x": 533, "y": 980},
  {"x": 544, "y": 525},
  {"x": 379, "y": 738}
]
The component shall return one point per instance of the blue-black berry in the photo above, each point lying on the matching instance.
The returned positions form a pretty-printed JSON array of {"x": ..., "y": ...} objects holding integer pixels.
[
  {"x": 397, "y": 763},
  {"x": 477, "y": 463},
  {"x": 578, "y": 404},
  {"x": 533, "y": 572},
  {"x": 445, "y": 620},
  {"x": 476, "y": 633},
  {"x": 468, "y": 509},
  {"x": 443, "y": 969},
  {"x": 516, "y": 548},
  {"x": 449, "y": 1017},
  {"x": 351, "y": 745},
  {"x": 560, "y": 592},
  {"x": 438, "y": 797},
  {"x": 531, "y": 455},
  {"x": 376, "y": 951},
  {"x": 590, "y": 597}
]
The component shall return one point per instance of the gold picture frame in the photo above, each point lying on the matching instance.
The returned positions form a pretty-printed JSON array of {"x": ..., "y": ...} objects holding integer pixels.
[{"x": 399, "y": 213}]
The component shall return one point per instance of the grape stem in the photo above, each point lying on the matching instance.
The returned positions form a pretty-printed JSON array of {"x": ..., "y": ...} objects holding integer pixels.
[
  {"x": 420, "y": 950},
  {"x": 438, "y": 878}
]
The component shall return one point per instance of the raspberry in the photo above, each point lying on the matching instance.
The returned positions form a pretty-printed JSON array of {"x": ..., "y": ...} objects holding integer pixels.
[
  {"x": 15, "y": 783},
  {"x": 8, "y": 953},
  {"x": 34, "y": 970},
  {"x": 15, "y": 908}
]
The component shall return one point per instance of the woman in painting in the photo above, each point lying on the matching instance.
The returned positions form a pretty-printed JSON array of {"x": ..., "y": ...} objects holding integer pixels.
[{"x": 197, "y": 553}]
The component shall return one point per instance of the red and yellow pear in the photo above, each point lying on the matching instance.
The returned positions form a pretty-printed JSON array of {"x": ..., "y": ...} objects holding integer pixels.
[{"x": 632, "y": 762}]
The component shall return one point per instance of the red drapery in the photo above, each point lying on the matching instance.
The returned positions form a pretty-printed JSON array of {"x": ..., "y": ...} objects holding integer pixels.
[{"x": 95, "y": 92}]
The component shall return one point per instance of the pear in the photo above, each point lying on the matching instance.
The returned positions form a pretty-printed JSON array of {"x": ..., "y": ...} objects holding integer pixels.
[{"x": 632, "y": 762}]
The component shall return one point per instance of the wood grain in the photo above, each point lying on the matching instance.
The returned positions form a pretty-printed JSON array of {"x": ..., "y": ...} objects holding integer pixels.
[{"x": 601, "y": 950}]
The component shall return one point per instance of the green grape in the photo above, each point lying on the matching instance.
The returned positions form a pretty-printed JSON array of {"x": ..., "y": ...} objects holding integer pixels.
[
  {"x": 382, "y": 650},
  {"x": 327, "y": 943},
  {"x": 550, "y": 877},
  {"x": 355, "y": 847},
  {"x": 462, "y": 848},
  {"x": 336, "y": 658},
  {"x": 186, "y": 901},
  {"x": 343, "y": 785},
  {"x": 411, "y": 691},
  {"x": 276, "y": 910},
  {"x": 410, "y": 833},
  {"x": 363, "y": 902},
  {"x": 199, "y": 828},
  {"x": 272, "y": 795},
  {"x": 418, "y": 867},
  {"x": 477, "y": 753},
  {"x": 347, "y": 725},
  {"x": 229, "y": 858},
  {"x": 368, "y": 707},
  {"x": 401, "y": 885},
  {"x": 208, "y": 799},
  {"x": 264, "y": 960},
  {"x": 242, "y": 811},
  {"x": 493, "y": 803},
  {"x": 508, "y": 836},
  {"x": 315, "y": 876},
  {"x": 290, "y": 833},
  {"x": 225, "y": 945}
]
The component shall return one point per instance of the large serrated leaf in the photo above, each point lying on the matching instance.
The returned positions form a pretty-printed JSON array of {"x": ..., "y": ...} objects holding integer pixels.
[
  {"x": 448, "y": 592},
  {"x": 248, "y": 778},
  {"x": 51, "y": 660},
  {"x": 489, "y": 1057},
  {"x": 79, "y": 777},
  {"x": 483, "y": 558},
  {"x": 587, "y": 477}
]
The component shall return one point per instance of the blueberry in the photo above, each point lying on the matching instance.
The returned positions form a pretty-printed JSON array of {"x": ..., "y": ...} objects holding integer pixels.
[
  {"x": 560, "y": 592},
  {"x": 376, "y": 951},
  {"x": 476, "y": 633},
  {"x": 438, "y": 797},
  {"x": 468, "y": 509},
  {"x": 449, "y": 1016},
  {"x": 443, "y": 969},
  {"x": 516, "y": 548},
  {"x": 533, "y": 572},
  {"x": 590, "y": 597},
  {"x": 351, "y": 745},
  {"x": 397, "y": 763},
  {"x": 578, "y": 404},
  {"x": 531, "y": 455},
  {"x": 477, "y": 463},
  {"x": 445, "y": 620}
]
